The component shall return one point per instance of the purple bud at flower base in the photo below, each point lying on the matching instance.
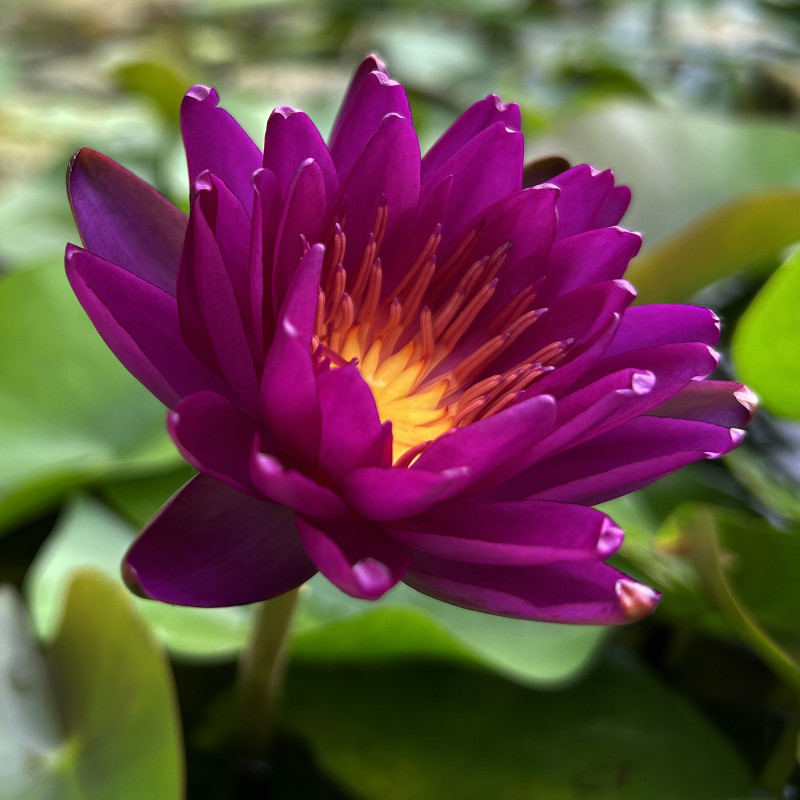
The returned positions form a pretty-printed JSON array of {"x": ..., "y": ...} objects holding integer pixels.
[{"x": 388, "y": 367}]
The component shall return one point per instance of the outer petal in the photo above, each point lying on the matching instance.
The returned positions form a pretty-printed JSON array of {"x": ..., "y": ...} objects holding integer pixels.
[
  {"x": 511, "y": 534},
  {"x": 720, "y": 402},
  {"x": 475, "y": 119},
  {"x": 291, "y": 138},
  {"x": 267, "y": 205},
  {"x": 139, "y": 323},
  {"x": 211, "y": 316},
  {"x": 387, "y": 170},
  {"x": 590, "y": 257},
  {"x": 588, "y": 200},
  {"x": 649, "y": 326},
  {"x": 619, "y": 461},
  {"x": 301, "y": 224},
  {"x": 215, "y": 141},
  {"x": 124, "y": 220},
  {"x": 361, "y": 116},
  {"x": 354, "y": 553},
  {"x": 212, "y": 546},
  {"x": 215, "y": 438},
  {"x": 579, "y": 593},
  {"x": 486, "y": 169}
]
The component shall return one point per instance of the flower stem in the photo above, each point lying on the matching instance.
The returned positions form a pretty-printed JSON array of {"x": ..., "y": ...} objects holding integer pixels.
[{"x": 262, "y": 667}]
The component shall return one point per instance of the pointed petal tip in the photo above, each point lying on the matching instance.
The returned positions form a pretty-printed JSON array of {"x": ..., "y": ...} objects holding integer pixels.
[
  {"x": 201, "y": 93},
  {"x": 373, "y": 577},
  {"x": 747, "y": 398},
  {"x": 636, "y": 600},
  {"x": 610, "y": 539},
  {"x": 130, "y": 577}
]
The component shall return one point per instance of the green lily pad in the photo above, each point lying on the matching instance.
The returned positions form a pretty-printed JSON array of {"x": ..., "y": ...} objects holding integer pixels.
[
  {"x": 89, "y": 534},
  {"x": 678, "y": 164},
  {"x": 71, "y": 414},
  {"x": 739, "y": 235},
  {"x": 101, "y": 719},
  {"x": 404, "y": 624},
  {"x": 766, "y": 341},
  {"x": 429, "y": 732},
  {"x": 116, "y": 696},
  {"x": 31, "y": 734}
]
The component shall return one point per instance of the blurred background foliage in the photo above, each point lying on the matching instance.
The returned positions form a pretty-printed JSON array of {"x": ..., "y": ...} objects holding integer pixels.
[{"x": 695, "y": 105}]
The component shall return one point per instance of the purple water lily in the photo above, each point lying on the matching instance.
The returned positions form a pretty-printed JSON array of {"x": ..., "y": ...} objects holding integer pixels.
[{"x": 387, "y": 367}]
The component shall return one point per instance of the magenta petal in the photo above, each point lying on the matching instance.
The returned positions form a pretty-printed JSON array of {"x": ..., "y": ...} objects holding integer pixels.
[
  {"x": 267, "y": 205},
  {"x": 376, "y": 97},
  {"x": 384, "y": 494},
  {"x": 293, "y": 488},
  {"x": 576, "y": 318},
  {"x": 354, "y": 553},
  {"x": 649, "y": 326},
  {"x": 512, "y": 534},
  {"x": 211, "y": 317},
  {"x": 291, "y": 138},
  {"x": 139, "y": 323},
  {"x": 582, "y": 415},
  {"x": 352, "y": 435},
  {"x": 124, "y": 220},
  {"x": 386, "y": 172},
  {"x": 485, "y": 170},
  {"x": 588, "y": 592},
  {"x": 620, "y": 461},
  {"x": 588, "y": 200},
  {"x": 301, "y": 224},
  {"x": 720, "y": 402},
  {"x": 215, "y": 438},
  {"x": 289, "y": 405},
  {"x": 485, "y": 445},
  {"x": 370, "y": 64},
  {"x": 475, "y": 119},
  {"x": 213, "y": 546},
  {"x": 215, "y": 141},
  {"x": 590, "y": 257}
]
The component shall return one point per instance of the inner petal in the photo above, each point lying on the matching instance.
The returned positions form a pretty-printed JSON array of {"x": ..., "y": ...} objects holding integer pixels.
[{"x": 428, "y": 370}]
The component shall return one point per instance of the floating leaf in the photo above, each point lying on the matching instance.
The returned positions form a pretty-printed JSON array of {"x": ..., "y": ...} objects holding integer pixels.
[
  {"x": 429, "y": 732},
  {"x": 101, "y": 720},
  {"x": 766, "y": 342},
  {"x": 71, "y": 414},
  {"x": 88, "y": 534}
]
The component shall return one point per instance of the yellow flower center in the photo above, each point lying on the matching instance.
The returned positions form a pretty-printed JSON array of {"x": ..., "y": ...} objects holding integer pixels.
[{"x": 400, "y": 345}]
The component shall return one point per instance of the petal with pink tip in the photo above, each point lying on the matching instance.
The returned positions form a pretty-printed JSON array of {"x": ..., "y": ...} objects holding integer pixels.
[
  {"x": 354, "y": 553},
  {"x": 585, "y": 592},
  {"x": 213, "y": 546}
]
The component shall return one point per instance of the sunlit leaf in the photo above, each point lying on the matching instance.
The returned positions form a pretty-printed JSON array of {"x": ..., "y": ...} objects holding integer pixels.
[
  {"x": 431, "y": 732},
  {"x": 116, "y": 696},
  {"x": 31, "y": 734},
  {"x": 71, "y": 414},
  {"x": 99, "y": 719},
  {"x": 404, "y": 624},
  {"x": 766, "y": 342},
  {"x": 738, "y": 235},
  {"x": 678, "y": 164},
  {"x": 88, "y": 534}
]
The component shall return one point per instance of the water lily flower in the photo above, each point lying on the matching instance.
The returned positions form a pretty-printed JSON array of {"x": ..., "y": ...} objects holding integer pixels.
[{"x": 388, "y": 367}]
